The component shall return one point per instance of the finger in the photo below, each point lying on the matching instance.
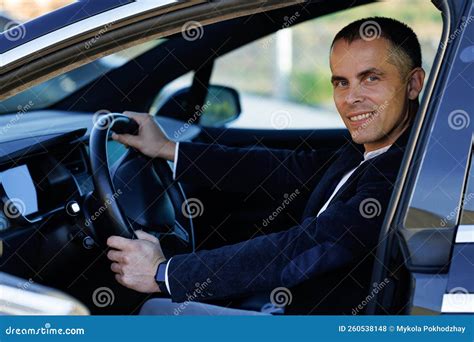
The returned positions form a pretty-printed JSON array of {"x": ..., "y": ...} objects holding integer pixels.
[
  {"x": 120, "y": 279},
  {"x": 116, "y": 268},
  {"x": 119, "y": 242},
  {"x": 114, "y": 255},
  {"x": 132, "y": 114},
  {"x": 145, "y": 236},
  {"x": 127, "y": 139},
  {"x": 138, "y": 117}
]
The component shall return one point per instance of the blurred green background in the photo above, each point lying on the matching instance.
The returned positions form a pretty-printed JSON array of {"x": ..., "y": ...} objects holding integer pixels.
[{"x": 307, "y": 79}]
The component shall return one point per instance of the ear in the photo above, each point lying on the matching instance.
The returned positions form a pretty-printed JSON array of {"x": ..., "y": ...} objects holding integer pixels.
[{"x": 416, "y": 79}]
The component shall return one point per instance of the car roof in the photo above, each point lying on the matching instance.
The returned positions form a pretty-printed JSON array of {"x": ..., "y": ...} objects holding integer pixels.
[{"x": 57, "y": 19}]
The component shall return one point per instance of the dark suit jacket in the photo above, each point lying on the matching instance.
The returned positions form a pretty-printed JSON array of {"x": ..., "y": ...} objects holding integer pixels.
[{"x": 341, "y": 236}]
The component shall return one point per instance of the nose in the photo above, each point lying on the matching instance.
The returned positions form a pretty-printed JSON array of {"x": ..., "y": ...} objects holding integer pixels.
[{"x": 354, "y": 95}]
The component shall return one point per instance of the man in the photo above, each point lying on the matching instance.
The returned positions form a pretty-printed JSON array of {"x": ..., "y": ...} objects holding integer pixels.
[{"x": 376, "y": 81}]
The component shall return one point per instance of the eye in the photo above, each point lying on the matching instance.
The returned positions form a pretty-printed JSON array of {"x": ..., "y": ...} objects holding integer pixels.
[
  {"x": 340, "y": 84},
  {"x": 372, "y": 78}
]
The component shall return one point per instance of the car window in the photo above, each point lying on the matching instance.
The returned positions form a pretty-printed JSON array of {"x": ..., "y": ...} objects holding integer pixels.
[
  {"x": 58, "y": 88},
  {"x": 284, "y": 78},
  {"x": 442, "y": 164},
  {"x": 181, "y": 82},
  {"x": 467, "y": 213}
]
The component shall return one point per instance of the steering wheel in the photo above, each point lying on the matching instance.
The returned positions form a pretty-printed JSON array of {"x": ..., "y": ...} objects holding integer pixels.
[{"x": 160, "y": 206}]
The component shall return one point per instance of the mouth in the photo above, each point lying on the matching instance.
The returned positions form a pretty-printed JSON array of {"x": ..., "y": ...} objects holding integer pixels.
[{"x": 360, "y": 118}]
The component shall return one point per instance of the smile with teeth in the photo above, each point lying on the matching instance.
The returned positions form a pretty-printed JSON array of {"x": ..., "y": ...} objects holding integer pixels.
[{"x": 361, "y": 116}]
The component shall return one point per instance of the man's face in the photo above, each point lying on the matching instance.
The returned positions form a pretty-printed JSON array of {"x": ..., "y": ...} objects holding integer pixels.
[{"x": 369, "y": 92}]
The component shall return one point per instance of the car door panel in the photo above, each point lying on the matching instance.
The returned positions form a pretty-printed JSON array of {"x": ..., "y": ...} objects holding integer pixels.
[{"x": 420, "y": 244}]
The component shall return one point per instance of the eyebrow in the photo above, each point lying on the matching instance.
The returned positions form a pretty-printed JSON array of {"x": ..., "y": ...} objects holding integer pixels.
[{"x": 359, "y": 75}]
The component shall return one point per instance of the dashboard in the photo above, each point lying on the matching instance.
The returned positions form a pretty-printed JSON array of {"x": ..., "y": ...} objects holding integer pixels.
[
  {"x": 44, "y": 164},
  {"x": 49, "y": 178},
  {"x": 47, "y": 194}
]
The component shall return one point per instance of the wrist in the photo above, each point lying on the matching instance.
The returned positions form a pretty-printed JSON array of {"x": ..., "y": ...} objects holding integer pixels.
[
  {"x": 160, "y": 277},
  {"x": 167, "y": 150}
]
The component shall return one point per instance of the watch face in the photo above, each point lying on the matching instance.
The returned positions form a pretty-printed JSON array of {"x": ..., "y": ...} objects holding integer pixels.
[{"x": 161, "y": 272}]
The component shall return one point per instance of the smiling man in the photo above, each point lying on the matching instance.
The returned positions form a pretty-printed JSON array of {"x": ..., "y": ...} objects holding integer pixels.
[
  {"x": 377, "y": 78},
  {"x": 376, "y": 81}
]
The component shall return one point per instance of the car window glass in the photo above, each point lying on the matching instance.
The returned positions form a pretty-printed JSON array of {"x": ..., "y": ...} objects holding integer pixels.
[
  {"x": 59, "y": 87},
  {"x": 284, "y": 78}
]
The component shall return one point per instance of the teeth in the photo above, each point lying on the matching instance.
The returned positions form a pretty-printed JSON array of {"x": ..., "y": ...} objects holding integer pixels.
[{"x": 361, "y": 116}]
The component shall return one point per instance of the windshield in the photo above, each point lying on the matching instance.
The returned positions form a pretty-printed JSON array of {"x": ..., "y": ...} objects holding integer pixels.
[{"x": 58, "y": 88}]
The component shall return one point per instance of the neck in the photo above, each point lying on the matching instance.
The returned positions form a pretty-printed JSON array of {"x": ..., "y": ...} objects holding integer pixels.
[{"x": 387, "y": 140}]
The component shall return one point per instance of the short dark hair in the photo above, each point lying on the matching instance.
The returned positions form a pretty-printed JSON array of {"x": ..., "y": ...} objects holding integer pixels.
[{"x": 400, "y": 35}]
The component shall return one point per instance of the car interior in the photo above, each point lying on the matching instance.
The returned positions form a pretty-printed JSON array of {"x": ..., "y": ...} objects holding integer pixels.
[{"x": 51, "y": 161}]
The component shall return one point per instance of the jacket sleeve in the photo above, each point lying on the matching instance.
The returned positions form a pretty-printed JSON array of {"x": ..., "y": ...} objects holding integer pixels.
[
  {"x": 348, "y": 229},
  {"x": 243, "y": 169}
]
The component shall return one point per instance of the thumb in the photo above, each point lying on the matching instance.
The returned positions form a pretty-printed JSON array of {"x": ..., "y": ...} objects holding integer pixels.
[
  {"x": 140, "y": 118},
  {"x": 127, "y": 139},
  {"x": 145, "y": 236}
]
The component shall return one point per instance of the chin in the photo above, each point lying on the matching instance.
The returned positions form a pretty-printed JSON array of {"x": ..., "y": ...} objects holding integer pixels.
[
  {"x": 359, "y": 138},
  {"x": 364, "y": 137}
]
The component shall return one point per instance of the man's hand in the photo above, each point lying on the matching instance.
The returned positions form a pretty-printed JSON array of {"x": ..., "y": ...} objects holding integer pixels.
[
  {"x": 135, "y": 261},
  {"x": 151, "y": 141}
]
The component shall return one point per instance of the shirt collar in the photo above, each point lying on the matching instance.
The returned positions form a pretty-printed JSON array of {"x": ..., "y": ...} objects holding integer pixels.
[{"x": 375, "y": 153}]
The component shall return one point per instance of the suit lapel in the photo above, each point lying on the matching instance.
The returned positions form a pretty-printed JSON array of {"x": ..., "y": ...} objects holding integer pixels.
[
  {"x": 350, "y": 157},
  {"x": 353, "y": 178}
]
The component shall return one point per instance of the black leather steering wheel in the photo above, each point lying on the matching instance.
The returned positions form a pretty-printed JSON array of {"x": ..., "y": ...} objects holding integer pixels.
[{"x": 113, "y": 220}]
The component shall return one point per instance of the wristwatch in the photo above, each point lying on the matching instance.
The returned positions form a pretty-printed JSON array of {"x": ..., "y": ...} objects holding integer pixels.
[{"x": 160, "y": 277}]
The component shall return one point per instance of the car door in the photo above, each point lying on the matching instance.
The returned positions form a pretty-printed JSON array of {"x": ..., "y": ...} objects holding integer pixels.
[
  {"x": 30, "y": 51},
  {"x": 425, "y": 256},
  {"x": 67, "y": 47}
]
